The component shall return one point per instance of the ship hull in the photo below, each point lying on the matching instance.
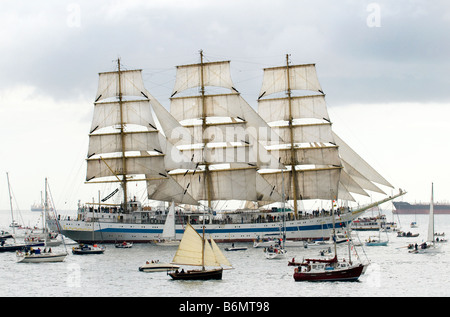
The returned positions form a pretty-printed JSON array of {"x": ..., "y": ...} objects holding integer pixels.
[
  {"x": 109, "y": 232},
  {"x": 404, "y": 208},
  {"x": 350, "y": 274},
  {"x": 198, "y": 275}
]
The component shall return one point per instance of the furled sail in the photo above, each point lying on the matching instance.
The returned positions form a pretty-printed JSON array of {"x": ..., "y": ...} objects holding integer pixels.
[
  {"x": 224, "y": 132},
  {"x": 124, "y": 141}
]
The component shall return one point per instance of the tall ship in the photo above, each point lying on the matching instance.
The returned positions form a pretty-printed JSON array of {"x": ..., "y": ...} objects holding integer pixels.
[
  {"x": 38, "y": 206},
  {"x": 220, "y": 161},
  {"x": 405, "y": 208}
]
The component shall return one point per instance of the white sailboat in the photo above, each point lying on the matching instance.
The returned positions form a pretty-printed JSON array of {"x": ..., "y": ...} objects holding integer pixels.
[
  {"x": 15, "y": 246},
  {"x": 169, "y": 234},
  {"x": 195, "y": 250},
  {"x": 35, "y": 255},
  {"x": 430, "y": 245},
  {"x": 279, "y": 251},
  {"x": 377, "y": 240}
]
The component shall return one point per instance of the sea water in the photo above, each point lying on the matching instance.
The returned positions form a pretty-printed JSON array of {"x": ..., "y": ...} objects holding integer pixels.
[{"x": 392, "y": 270}]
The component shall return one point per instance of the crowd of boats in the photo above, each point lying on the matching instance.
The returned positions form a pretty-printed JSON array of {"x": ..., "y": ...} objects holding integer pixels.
[
  {"x": 214, "y": 147},
  {"x": 194, "y": 249}
]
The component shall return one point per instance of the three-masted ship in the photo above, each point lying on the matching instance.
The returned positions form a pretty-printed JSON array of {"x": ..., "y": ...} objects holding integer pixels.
[{"x": 213, "y": 148}]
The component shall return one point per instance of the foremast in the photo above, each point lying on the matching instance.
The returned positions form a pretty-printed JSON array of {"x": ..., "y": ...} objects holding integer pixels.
[
  {"x": 122, "y": 140},
  {"x": 125, "y": 144}
]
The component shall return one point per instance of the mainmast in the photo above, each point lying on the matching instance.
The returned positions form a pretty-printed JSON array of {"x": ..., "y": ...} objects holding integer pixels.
[
  {"x": 205, "y": 139},
  {"x": 291, "y": 131},
  {"x": 122, "y": 139},
  {"x": 226, "y": 152}
]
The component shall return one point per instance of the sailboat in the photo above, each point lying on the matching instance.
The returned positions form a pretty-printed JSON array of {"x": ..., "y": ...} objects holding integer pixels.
[
  {"x": 430, "y": 245},
  {"x": 377, "y": 241},
  {"x": 38, "y": 206},
  {"x": 322, "y": 270},
  {"x": 31, "y": 255},
  {"x": 169, "y": 234},
  {"x": 278, "y": 251},
  {"x": 195, "y": 250},
  {"x": 12, "y": 247}
]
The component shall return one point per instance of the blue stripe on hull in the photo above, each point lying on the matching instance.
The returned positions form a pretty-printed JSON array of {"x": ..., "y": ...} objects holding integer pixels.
[{"x": 224, "y": 230}]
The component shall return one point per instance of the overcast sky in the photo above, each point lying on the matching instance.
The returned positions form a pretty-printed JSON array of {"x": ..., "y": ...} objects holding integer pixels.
[{"x": 384, "y": 66}]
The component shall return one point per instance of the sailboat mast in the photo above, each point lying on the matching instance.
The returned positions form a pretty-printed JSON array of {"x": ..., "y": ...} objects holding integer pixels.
[
  {"x": 291, "y": 131},
  {"x": 334, "y": 228},
  {"x": 44, "y": 219},
  {"x": 122, "y": 138},
  {"x": 10, "y": 204},
  {"x": 431, "y": 218},
  {"x": 205, "y": 140}
]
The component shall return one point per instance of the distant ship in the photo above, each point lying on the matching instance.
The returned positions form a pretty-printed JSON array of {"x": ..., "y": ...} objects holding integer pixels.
[
  {"x": 37, "y": 207},
  {"x": 406, "y": 208}
]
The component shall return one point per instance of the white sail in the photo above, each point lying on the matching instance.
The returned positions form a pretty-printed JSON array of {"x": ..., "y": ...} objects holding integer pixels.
[
  {"x": 227, "y": 184},
  {"x": 134, "y": 141},
  {"x": 301, "y": 77},
  {"x": 107, "y": 114},
  {"x": 213, "y": 73},
  {"x": 359, "y": 164},
  {"x": 141, "y": 164},
  {"x": 190, "y": 250},
  {"x": 131, "y": 84},
  {"x": 169, "y": 225},
  {"x": 277, "y": 109},
  {"x": 165, "y": 188}
]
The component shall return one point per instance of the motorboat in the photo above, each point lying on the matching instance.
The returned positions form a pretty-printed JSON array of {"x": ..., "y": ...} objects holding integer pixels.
[
  {"x": 156, "y": 266},
  {"x": 88, "y": 249}
]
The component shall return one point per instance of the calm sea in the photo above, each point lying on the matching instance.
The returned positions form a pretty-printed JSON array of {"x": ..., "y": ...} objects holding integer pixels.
[{"x": 393, "y": 271}]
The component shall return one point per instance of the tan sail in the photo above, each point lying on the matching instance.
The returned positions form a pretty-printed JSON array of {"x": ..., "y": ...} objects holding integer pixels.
[
  {"x": 190, "y": 250},
  {"x": 219, "y": 255}
]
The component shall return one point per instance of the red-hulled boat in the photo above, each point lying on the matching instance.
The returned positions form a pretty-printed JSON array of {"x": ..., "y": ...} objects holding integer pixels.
[{"x": 328, "y": 270}]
